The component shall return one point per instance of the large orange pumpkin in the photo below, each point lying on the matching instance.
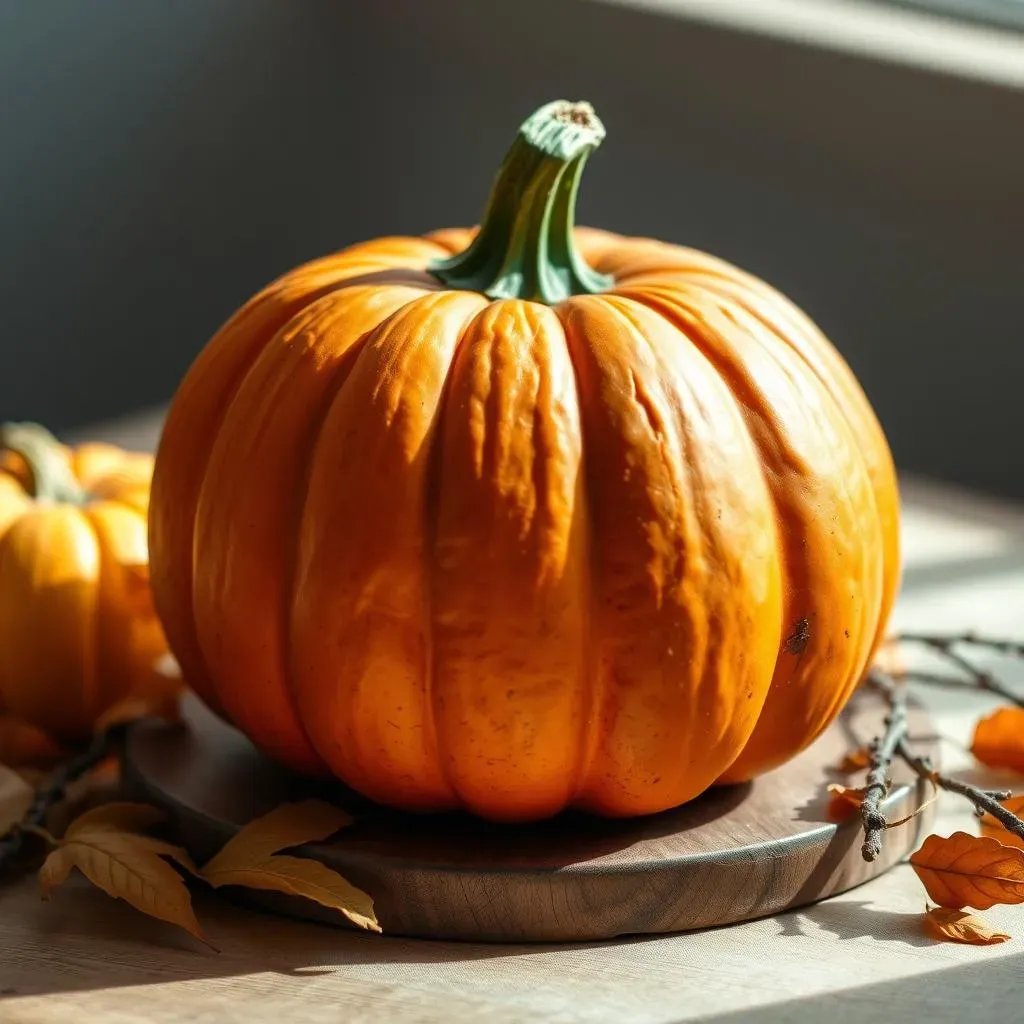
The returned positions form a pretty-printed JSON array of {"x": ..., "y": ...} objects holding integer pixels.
[
  {"x": 78, "y": 631},
  {"x": 524, "y": 519}
]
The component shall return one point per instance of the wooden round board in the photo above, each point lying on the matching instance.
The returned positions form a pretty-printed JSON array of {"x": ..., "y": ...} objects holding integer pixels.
[{"x": 736, "y": 853}]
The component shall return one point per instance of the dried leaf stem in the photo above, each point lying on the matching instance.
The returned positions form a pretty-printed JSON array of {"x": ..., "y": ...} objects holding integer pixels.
[{"x": 53, "y": 790}]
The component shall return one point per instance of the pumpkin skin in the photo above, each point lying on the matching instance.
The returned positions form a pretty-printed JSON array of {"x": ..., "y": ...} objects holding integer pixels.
[
  {"x": 516, "y": 556},
  {"x": 78, "y": 631}
]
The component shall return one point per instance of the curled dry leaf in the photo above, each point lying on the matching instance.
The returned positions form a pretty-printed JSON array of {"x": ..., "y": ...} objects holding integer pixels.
[
  {"x": 999, "y": 739},
  {"x": 970, "y": 871},
  {"x": 854, "y": 761},
  {"x": 24, "y": 746},
  {"x": 15, "y": 797},
  {"x": 251, "y": 860},
  {"x": 844, "y": 801},
  {"x": 957, "y": 926},
  {"x": 993, "y": 827},
  {"x": 105, "y": 844}
]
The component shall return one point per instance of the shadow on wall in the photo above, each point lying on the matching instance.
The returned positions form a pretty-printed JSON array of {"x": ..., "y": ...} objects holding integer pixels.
[{"x": 162, "y": 162}]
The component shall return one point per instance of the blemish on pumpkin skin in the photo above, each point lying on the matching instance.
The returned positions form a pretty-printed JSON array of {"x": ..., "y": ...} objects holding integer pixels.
[{"x": 799, "y": 637}]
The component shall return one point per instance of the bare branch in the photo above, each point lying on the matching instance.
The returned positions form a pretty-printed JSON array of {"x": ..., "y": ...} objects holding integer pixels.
[
  {"x": 53, "y": 790},
  {"x": 882, "y": 749}
]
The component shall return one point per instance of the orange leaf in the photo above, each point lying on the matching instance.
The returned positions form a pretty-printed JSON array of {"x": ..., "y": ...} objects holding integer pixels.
[
  {"x": 845, "y": 802},
  {"x": 23, "y": 745},
  {"x": 15, "y": 797},
  {"x": 999, "y": 739},
  {"x": 956, "y": 926},
  {"x": 970, "y": 871},
  {"x": 104, "y": 845},
  {"x": 993, "y": 827},
  {"x": 854, "y": 761},
  {"x": 250, "y": 860}
]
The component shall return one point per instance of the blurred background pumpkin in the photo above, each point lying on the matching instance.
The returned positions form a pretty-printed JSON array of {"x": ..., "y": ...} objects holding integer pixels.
[{"x": 78, "y": 633}]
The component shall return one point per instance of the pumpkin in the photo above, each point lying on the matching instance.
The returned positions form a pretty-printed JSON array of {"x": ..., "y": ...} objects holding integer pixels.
[
  {"x": 78, "y": 631},
  {"x": 524, "y": 518}
]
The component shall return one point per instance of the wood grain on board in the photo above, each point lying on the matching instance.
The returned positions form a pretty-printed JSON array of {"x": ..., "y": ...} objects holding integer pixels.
[{"x": 737, "y": 853}]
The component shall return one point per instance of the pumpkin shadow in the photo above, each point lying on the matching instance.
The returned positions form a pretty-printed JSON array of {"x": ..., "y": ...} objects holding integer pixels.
[
  {"x": 214, "y": 782},
  {"x": 569, "y": 838}
]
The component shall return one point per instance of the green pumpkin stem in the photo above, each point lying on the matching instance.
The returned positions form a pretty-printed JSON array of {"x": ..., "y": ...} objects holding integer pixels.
[
  {"x": 525, "y": 247},
  {"x": 52, "y": 478}
]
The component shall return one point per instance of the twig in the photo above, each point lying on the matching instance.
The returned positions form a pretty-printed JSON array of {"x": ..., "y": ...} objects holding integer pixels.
[
  {"x": 941, "y": 679},
  {"x": 944, "y": 641},
  {"x": 882, "y": 752},
  {"x": 894, "y": 740},
  {"x": 944, "y": 645},
  {"x": 982, "y": 799},
  {"x": 53, "y": 790}
]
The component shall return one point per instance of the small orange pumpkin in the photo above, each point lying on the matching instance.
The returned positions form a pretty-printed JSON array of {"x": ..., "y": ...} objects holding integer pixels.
[
  {"x": 78, "y": 632},
  {"x": 524, "y": 518}
]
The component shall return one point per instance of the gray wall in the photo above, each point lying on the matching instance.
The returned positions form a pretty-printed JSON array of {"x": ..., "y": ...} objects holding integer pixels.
[{"x": 160, "y": 161}]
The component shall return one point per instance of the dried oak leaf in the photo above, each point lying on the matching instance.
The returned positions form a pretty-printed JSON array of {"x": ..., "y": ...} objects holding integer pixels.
[
  {"x": 23, "y": 745},
  {"x": 251, "y": 860},
  {"x": 844, "y": 801},
  {"x": 15, "y": 797},
  {"x": 956, "y": 926},
  {"x": 854, "y": 761},
  {"x": 993, "y": 827},
  {"x": 970, "y": 871},
  {"x": 999, "y": 739},
  {"x": 107, "y": 846}
]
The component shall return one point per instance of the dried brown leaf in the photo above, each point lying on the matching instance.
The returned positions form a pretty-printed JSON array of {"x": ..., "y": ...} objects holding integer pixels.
[
  {"x": 970, "y": 871},
  {"x": 844, "y": 801},
  {"x": 23, "y": 745},
  {"x": 291, "y": 824},
  {"x": 993, "y": 827},
  {"x": 133, "y": 818},
  {"x": 15, "y": 797},
  {"x": 251, "y": 860},
  {"x": 957, "y": 926},
  {"x": 116, "y": 817},
  {"x": 999, "y": 739},
  {"x": 854, "y": 761},
  {"x": 104, "y": 845}
]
